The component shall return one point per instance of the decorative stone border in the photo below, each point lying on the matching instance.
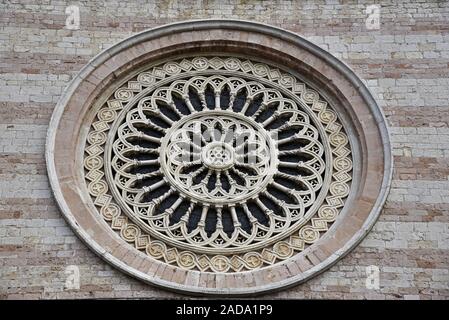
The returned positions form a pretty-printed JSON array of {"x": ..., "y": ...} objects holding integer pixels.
[{"x": 368, "y": 136}]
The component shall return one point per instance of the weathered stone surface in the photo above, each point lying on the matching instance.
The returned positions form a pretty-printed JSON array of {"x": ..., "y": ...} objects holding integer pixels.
[{"x": 405, "y": 64}]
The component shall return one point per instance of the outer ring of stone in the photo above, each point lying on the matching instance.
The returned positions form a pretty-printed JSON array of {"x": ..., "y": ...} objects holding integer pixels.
[{"x": 337, "y": 82}]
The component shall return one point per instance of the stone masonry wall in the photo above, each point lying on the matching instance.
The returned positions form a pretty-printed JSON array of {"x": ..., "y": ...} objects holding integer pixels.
[{"x": 405, "y": 63}]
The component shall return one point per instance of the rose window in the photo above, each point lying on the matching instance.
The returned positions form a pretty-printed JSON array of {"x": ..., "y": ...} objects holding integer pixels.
[{"x": 216, "y": 156}]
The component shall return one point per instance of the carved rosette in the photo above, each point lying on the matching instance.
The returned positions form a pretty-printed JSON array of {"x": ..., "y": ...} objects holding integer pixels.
[{"x": 217, "y": 164}]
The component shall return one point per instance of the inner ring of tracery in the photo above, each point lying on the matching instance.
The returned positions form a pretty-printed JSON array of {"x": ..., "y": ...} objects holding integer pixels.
[{"x": 218, "y": 157}]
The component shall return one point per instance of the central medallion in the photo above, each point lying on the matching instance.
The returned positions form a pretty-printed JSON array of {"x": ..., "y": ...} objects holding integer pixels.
[{"x": 218, "y": 156}]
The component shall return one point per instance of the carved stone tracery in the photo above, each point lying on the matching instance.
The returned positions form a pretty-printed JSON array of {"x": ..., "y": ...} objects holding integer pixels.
[{"x": 218, "y": 163}]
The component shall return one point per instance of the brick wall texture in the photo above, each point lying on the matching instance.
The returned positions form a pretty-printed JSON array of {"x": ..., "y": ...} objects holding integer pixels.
[{"x": 405, "y": 63}]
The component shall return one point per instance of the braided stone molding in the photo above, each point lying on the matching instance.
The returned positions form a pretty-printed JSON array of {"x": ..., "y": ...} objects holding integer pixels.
[{"x": 219, "y": 157}]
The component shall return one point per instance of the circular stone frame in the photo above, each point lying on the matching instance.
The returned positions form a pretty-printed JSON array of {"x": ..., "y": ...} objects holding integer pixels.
[{"x": 336, "y": 82}]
